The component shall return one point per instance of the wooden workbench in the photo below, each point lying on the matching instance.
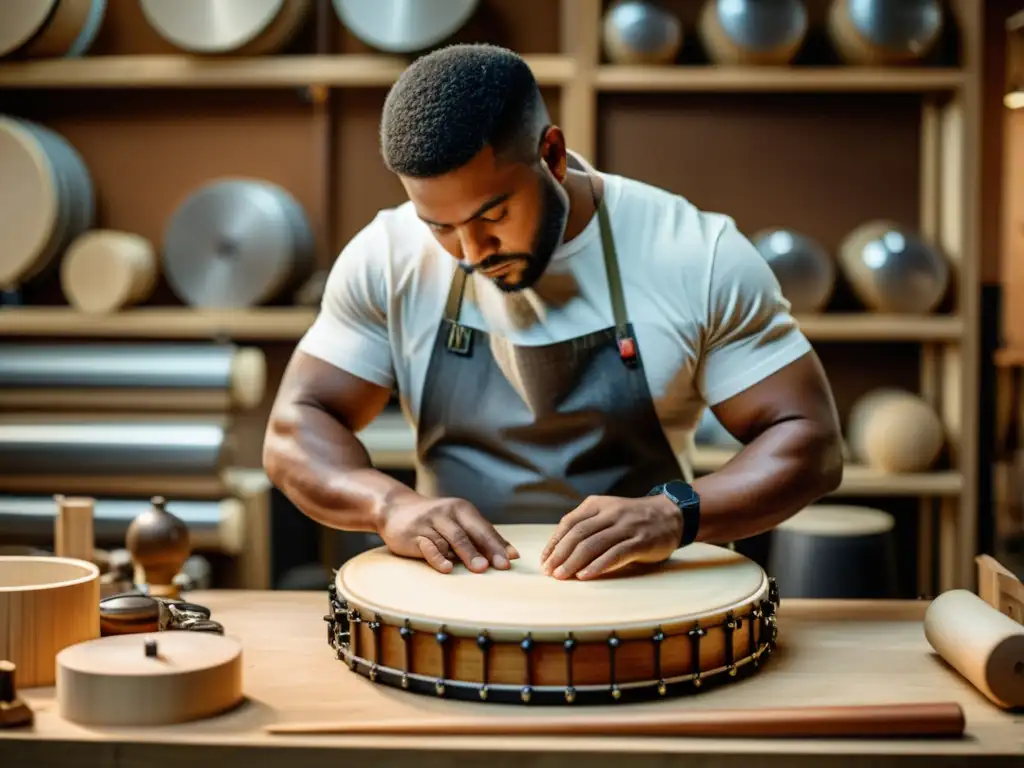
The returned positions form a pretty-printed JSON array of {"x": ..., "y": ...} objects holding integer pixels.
[{"x": 829, "y": 653}]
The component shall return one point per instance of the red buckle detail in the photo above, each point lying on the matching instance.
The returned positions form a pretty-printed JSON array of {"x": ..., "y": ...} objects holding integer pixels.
[{"x": 627, "y": 348}]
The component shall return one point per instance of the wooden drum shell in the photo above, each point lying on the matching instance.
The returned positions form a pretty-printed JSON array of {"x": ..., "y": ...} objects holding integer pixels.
[
  {"x": 44, "y": 612},
  {"x": 591, "y": 664}
]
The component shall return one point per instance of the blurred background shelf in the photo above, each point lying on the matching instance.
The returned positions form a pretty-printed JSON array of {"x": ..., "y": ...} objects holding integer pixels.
[
  {"x": 178, "y": 71},
  {"x": 819, "y": 146},
  {"x": 794, "y": 79},
  {"x": 261, "y": 324}
]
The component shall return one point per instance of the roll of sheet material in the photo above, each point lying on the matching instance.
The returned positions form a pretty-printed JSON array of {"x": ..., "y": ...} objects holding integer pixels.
[
  {"x": 105, "y": 271},
  {"x": 979, "y": 642},
  {"x": 124, "y": 376},
  {"x": 753, "y": 32},
  {"x": 891, "y": 269},
  {"x": 237, "y": 27},
  {"x": 892, "y": 430},
  {"x": 835, "y": 552},
  {"x": 79, "y": 446},
  {"x": 237, "y": 243},
  {"x": 46, "y": 199},
  {"x": 641, "y": 32},
  {"x": 217, "y": 526},
  {"x": 885, "y": 32},
  {"x": 805, "y": 270},
  {"x": 45, "y": 28},
  {"x": 398, "y": 26}
]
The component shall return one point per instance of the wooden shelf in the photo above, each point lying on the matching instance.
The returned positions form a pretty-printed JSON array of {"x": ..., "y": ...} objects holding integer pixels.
[
  {"x": 274, "y": 323},
  {"x": 182, "y": 71},
  {"x": 857, "y": 480},
  {"x": 265, "y": 324},
  {"x": 778, "y": 79}
]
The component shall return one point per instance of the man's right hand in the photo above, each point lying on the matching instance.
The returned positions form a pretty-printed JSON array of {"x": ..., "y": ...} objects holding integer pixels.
[{"x": 441, "y": 530}]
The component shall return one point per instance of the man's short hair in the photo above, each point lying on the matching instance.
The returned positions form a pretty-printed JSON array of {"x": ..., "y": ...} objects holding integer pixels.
[{"x": 451, "y": 103}]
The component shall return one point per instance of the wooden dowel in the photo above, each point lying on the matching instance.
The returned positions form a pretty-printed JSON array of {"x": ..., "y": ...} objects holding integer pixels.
[
  {"x": 945, "y": 719},
  {"x": 73, "y": 534}
]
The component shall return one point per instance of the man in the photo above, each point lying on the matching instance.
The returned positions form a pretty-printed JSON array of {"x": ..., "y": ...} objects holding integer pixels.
[{"x": 553, "y": 332}]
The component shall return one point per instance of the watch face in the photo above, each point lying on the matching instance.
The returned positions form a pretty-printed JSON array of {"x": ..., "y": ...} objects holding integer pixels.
[{"x": 682, "y": 492}]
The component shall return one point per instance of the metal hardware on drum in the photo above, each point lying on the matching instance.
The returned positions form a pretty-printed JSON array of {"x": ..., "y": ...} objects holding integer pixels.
[{"x": 343, "y": 635}]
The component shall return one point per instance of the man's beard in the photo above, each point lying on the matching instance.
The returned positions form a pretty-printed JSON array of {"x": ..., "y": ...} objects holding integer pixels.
[{"x": 553, "y": 217}]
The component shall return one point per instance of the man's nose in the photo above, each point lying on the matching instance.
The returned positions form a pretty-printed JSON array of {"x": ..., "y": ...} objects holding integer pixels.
[{"x": 474, "y": 248}]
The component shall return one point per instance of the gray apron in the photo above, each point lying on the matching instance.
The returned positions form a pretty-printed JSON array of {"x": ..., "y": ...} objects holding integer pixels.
[{"x": 527, "y": 433}]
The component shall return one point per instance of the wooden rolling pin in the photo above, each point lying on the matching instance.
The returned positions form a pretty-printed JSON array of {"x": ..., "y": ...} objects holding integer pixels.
[
  {"x": 876, "y": 721},
  {"x": 979, "y": 642}
]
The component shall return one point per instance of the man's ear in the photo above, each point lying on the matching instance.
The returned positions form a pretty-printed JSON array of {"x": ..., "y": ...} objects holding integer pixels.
[{"x": 553, "y": 152}]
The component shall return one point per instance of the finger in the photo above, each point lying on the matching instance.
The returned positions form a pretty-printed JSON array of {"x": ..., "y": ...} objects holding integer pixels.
[
  {"x": 572, "y": 539},
  {"x": 585, "y": 510},
  {"x": 433, "y": 555},
  {"x": 588, "y": 550},
  {"x": 618, "y": 556},
  {"x": 484, "y": 535},
  {"x": 460, "y": 541}
]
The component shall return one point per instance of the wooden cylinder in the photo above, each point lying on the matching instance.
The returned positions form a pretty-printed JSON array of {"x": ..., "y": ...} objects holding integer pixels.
[
  {"x": 892, "y": 430},
  {"x": 46, "y": 605},
  {"x": 73, "y": 534},
  {"x": 835, "y": 551},
  {"x": 980, "y": 643},
  {"x": 105, "y": 271}
]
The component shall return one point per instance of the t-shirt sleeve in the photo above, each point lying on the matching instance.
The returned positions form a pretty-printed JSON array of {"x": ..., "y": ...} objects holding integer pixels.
[
  {"x": 751, "y": 331},
  {"x": 351, "y": 329}
]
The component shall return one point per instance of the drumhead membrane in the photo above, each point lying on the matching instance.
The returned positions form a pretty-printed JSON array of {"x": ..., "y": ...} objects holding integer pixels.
[{"x": 698, "y": 581}]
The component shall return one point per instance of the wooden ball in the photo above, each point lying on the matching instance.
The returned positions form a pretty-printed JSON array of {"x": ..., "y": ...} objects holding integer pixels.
[{"x": 893, "y": 430}]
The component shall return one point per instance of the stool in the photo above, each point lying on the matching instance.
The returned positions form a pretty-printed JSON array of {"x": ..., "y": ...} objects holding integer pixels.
[{"x": 835, "y": 551}]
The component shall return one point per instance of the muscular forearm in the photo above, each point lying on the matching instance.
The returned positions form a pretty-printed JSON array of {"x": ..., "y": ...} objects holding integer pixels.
[
  {"x": 790, "y": 465},
  {"x": 325, "y": 470}
]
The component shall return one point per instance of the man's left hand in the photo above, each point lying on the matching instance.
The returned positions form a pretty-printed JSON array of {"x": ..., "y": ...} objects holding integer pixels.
[{"x": 605, "y": 533}]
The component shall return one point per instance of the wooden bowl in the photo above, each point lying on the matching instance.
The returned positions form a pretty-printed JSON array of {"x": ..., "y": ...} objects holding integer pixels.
[{"x": 46, "y": 605}]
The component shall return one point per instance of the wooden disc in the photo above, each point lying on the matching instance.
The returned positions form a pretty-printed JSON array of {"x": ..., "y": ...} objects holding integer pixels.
[
  {"x": 700, "y": 579},
  {"x": 113, "y": 681},
  {"x": 104, "y": 271},
  {"x": 839, "y": 520},
  {"x": 21, "y": 20},
  {"x": 30, "y": 202}
]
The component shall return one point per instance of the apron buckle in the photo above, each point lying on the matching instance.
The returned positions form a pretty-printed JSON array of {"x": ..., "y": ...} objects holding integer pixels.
[
  {"x": 460, "y": 339},
  {"x": 627, "y": 349}
]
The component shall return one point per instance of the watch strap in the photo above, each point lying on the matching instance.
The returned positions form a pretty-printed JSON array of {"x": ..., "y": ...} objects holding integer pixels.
[{"x": 689, "y": 508}]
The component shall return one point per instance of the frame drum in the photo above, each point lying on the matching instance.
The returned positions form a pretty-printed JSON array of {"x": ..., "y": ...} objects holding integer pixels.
[{"x": 705, "y": 615}]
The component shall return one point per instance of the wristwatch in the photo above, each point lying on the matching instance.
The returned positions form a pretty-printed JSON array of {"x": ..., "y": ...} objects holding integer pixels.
[{"x": 684, "y": 497}]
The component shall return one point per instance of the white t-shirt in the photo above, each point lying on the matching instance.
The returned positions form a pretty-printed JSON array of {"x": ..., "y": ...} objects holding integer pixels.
[{"x": 708, "y": 313}]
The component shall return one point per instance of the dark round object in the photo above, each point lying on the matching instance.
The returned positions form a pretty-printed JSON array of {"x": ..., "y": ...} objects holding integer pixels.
[
  {"x": 805, "y": 270},
  {"x": 835, "y": 552}
]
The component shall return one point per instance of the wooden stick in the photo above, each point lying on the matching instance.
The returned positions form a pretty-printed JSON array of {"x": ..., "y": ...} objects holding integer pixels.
[
  {"x": 73, "y": 532},
  {"x": 876, "y": 721}
]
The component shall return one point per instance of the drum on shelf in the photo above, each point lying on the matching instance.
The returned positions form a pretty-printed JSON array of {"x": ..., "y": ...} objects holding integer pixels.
[
  {"x": 706, "y": 615},
  {"x": 753, "y": 32},
  {"x": 237, "y": 27},
  {"x": 237, "y": 243},
  {"x": 880, "y": 32},
  {"x": 45, "y": 28},
  {"x": 398, "y": 26}
]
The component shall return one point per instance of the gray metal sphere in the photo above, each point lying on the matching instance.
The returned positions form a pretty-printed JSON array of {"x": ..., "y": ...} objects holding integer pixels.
[
  {"x": 641, "y": 32},
  {"x": 805, "y": 270},
  {"x": 762, "y": 25}
]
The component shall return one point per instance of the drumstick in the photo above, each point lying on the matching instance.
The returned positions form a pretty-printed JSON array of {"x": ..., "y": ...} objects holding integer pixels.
[{"x": 876, "y": 721}]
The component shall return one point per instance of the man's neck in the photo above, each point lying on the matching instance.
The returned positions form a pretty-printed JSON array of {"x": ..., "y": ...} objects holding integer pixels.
[{"x": 581, "y": 188}]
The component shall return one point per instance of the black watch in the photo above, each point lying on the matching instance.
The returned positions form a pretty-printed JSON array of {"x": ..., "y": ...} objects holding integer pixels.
[{"x": 684, "y": 497}]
